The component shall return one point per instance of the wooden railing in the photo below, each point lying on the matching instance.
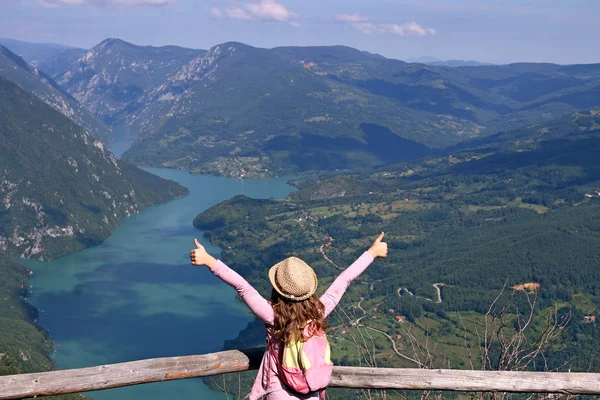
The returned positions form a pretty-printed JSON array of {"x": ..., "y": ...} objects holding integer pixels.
[{"x": 171, "y": 368}]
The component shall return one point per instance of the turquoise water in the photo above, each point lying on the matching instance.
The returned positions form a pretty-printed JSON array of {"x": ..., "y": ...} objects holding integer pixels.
[{"x": 136, "y": 296}]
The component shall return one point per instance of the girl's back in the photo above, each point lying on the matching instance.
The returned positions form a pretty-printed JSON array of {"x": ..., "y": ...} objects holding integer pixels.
[{"x": 294, "y": 307}]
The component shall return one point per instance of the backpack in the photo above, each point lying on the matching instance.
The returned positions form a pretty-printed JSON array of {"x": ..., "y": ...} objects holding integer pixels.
[{"x": 305, "y": 366}]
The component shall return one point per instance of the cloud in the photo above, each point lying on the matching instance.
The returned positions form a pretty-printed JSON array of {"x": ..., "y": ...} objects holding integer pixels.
[
  {"x": 408, "y": 29},
  {"x": 357, "y": 22},
  {"x": 350, "y": 17},
  {"x": 362, "y": 24},
  {"x": 67, "y": 3},
  {"x": 264, "y": 10},
  {"x": 237, "y": 13}
]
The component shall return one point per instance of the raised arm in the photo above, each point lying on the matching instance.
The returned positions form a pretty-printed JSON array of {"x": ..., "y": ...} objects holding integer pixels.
[
  {"x": 334, "y": 293},
  {"x": 257, "y": 304}
]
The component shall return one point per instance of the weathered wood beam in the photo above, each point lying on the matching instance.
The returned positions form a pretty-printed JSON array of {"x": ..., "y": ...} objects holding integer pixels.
[
  {"x": 127, "y": 374},
  {"x": 466, "y": 380},
  {"x": 171, "y": 368}
]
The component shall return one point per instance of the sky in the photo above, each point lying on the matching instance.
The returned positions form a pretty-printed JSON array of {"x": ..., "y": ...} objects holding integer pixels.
[{"x": 498, "y": 31}]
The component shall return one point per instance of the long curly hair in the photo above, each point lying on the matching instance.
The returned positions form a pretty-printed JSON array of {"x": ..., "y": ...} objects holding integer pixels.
[{"x": 292, "y": 316}]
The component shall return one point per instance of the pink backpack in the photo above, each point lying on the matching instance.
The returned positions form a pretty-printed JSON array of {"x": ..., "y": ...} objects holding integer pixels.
[{"x": 305, "y": 366}]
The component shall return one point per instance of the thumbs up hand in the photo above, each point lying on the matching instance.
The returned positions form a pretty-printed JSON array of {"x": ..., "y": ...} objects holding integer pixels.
[
  {"x": 199, "y": 256},
  {"x": 379, "y": 248}
]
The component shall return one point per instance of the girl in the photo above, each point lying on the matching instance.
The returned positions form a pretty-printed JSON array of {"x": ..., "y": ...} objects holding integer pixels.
[{"x": 294, "y": 305}]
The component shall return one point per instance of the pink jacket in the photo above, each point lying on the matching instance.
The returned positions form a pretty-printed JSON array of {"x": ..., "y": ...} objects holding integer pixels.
[{"x": 263, "y": 310}]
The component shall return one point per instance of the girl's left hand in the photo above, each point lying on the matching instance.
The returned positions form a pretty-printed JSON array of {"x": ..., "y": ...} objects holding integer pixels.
[
  {"x": 379, "y": 248},
  {"x": 200, "y": 256}
]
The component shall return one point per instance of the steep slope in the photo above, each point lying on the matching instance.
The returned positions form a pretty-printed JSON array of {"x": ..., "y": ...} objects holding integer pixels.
[
  {"x": 15, "y": 69},
  {"x": 111, "y": 76},
  {"x": 61, "y": 190},
  {"x": 23, "y": 345}
]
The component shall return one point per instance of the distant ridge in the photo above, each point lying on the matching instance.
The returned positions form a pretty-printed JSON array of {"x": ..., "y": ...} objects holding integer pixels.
[
  {"x": 36, "y": 82},
  {"x": 446, "y": 63},
  {"x": 34, "y": 53}
]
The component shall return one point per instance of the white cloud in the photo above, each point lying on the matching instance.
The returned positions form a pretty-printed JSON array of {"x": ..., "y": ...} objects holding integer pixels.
[
  {"x": 362, "y": 24},
  {"x": 264, "y": 10},
  {"x": 268, "y": 10},
  {"x": 66, "y": 3},
  {"x": 408, "y": 29},
  {"x": 358, "y": 22},
  {"x": 237, "y": 13},
  {"x": 350, "y": 17}
]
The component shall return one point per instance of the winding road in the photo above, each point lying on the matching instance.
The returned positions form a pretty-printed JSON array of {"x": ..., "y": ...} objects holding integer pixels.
[
  {"x": 437, "y": 286},
  {"x": 322, "y": 249}
]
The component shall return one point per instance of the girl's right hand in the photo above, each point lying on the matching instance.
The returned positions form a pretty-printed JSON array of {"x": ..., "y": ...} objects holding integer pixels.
[
  {"x": 379, "y": 248},
  {"x": 200, "y": 256}
]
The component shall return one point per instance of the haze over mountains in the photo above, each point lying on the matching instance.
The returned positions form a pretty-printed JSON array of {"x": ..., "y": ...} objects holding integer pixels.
[
  {"x": 446, "y": 63},
  {"x": 15, "y": 69}
]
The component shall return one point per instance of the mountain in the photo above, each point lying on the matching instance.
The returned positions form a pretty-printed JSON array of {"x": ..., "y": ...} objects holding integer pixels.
[
  {"x": 15, "y": 69},
  {"x": 61, "y": 190},
  {"x": 245, "y": 111},
  {"x": 110, "y": 78},
  {"x": 57, "y": 64},
  {"x": 338, "y": 107},
  {"x": 570, "y": 125},
  {"x": 35, "y": 53}
]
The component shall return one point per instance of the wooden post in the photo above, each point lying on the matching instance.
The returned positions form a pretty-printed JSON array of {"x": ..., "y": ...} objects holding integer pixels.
[{"x": 171, "y": 368}]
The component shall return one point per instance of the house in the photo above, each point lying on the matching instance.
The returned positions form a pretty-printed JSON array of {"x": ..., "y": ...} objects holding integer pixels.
[
  {"x": 530, "y": 287},
  {"x": 399, "y": 318},
  {"x": 590, "y": 319}
]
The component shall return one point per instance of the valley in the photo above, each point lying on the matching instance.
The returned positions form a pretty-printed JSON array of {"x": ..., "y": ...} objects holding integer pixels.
[{"x": 485, "y": 179}]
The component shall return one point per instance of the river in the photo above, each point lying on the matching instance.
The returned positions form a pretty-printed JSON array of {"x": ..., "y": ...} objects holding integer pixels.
[{"x": 136, "y": 296}]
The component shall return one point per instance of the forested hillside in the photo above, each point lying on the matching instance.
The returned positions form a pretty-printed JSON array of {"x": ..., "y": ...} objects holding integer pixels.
[
  {"x": 318, "y": 108},
  {"x": 23, "y": 345},
  {"x": 521, "y": 218},
  {"x": 61, "y": 189}
]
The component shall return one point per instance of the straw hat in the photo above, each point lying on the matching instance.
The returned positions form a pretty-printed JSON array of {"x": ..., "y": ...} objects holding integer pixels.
[{"x": 293, "y": 279}]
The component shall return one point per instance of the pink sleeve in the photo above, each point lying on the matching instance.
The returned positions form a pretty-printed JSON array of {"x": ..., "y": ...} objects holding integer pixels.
[
  {"x": 334, "y": 293},
  {"x": 257, "y": 304}
]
